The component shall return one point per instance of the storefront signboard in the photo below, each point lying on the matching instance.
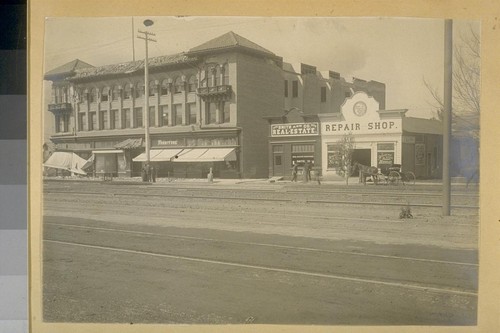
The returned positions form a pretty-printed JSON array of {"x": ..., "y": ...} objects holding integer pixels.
[
  {"x": 279, "y": 130},
  {"x": 385, "y": 159}
]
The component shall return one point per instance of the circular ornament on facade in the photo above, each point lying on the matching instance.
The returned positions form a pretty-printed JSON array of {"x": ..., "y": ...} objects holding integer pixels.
[{"x": 359, "y": 108}]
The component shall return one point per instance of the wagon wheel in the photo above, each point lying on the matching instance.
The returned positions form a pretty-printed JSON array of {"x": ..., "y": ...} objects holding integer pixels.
[
  {"x": 393, "y": 177},
  {"x": 409, "y": 178}
]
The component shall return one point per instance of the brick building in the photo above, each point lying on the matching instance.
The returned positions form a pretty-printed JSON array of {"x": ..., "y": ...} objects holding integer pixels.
[{"x": 209, "y": 107}]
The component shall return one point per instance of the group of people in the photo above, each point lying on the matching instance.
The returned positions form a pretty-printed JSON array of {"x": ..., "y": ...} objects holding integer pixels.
[
  {"x": 148, "y": 173},
  {"x": 307, "y": 167}
]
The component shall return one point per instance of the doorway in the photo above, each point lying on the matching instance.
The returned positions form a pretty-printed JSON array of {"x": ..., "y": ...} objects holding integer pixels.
[{"x": 362, "y": 156}]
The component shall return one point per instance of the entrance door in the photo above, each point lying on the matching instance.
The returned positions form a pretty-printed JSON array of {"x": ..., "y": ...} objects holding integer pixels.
[
  {"x": 362, "y": 156},
  {"x": 278, "y": 167}
]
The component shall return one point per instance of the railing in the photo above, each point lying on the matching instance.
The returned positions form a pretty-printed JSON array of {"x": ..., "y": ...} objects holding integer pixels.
[
  {"x": 60, "y": 107},
  {"x": 212, "y": 91}
]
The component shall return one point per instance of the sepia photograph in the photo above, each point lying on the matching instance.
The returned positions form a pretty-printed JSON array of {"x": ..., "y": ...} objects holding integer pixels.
[{"x": 214, "y": 170}]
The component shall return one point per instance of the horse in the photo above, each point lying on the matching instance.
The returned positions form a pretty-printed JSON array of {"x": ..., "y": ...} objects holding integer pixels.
[{"x": 365, "y": 171}]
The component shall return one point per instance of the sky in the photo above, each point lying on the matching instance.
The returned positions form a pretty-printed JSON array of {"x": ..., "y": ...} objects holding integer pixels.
[{"x": 400, "y": 52}]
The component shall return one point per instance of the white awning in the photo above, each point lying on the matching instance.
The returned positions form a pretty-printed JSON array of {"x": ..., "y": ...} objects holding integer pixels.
[
  {"x": 114, "y": 151},
  {"x": 158, "y": 155},
  {"x": 66, "y": 161},
  {"x": 166, "y": 155},
  {"x": 207, "y": 155}
]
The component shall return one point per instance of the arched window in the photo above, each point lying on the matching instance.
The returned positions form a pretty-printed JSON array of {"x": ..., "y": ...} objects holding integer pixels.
[
  {"x": 152, "y": 88},
  {"x": 164, "y": 87},
  {"x": 115, "y": 94},
  {"x": 92, "y": 95},
  {"x": 84, "y": 95},
  {"x": 127, "y": 91},
  {"x": 139, "y": 90},
  {"x": 178, "y": 85},
  {"x": 105, "y": 94},
  {"x": 192, "y": 83},
  {"x": 225, "y": 73}
]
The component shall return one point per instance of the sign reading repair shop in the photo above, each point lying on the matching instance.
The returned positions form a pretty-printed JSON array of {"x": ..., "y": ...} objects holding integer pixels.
[
  {"x": 294, "y": 129},
  {"x": 380, "y": 126}
]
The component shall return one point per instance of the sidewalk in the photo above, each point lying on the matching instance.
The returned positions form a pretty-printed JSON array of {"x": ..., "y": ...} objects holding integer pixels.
[{"x": 353, "y": 181}]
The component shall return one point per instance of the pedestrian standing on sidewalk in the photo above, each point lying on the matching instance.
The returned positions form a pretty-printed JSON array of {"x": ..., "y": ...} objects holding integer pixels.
[
  {"x": 153, "y": 173},
  {"x": 295, "y": 168}
]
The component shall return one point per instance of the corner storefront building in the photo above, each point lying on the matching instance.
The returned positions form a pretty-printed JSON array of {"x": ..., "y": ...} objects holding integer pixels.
[{"x": 209, "y": 107}]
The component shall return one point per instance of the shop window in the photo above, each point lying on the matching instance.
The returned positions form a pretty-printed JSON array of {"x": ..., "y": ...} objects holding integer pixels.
[
  {"x": 334, "y": 156},
  {"x": 192, "y": 83},
  {"x": 152, "y": 118},
  {"x": 105, "y": 94},
  {"x": 126, "y": 118},
  {"x": 286, "y": 88},
  {"x": 138, "y": 117},
  {"x": 277, "y": 149},
  {"x": 164, "y": 87},
  {"x": 385, "y": 155},
  {"x": 323, "y": 94},
  {"x": 303, "y": 148},
  {"x": 164, "y": 115},
  {"x": 295, "y": 88}
]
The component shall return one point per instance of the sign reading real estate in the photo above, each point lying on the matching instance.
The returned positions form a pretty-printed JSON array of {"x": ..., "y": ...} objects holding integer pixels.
[{"x": 294, "y": 129}]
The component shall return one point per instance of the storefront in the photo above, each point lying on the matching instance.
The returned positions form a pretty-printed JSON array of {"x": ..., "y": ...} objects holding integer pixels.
[
  {"x": 381, "y": 138},
  {"x": 293, "y": 143},
  {"x": 193, "y": 157}
]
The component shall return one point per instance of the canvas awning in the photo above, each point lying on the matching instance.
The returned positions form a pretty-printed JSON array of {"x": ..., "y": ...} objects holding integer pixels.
[
  {"x": 207, "y": 155},
  {"x": 158, "y": 155},
  {"x": 66, "y": 161},
  {"x": 114, "y": 151}
]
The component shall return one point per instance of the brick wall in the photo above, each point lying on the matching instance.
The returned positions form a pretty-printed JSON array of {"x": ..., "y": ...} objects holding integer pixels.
[{"x": 259, "y": 91}]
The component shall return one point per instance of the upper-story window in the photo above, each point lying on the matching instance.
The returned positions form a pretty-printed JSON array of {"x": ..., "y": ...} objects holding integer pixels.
[
  {"x": 115, "y": 93},
  {"x": 218, "y": 76},
  {"x": 105, "y": 94},
  {"x": 82, "y": 95},
  {"x": 139, "y": 90},
  {"x": 178, "y": 85},
  {"x": 127, "y": 91},
  {"x": 164, "y": 87},
  {"x": 192, "y": 83},
  {"x": 152, "y": 88},
  {"x": 225, "y": 73},
  {"x": 295, "y": 88},
  {"x": 323, "y": 95},
  {"x": 92, "y": 95}
]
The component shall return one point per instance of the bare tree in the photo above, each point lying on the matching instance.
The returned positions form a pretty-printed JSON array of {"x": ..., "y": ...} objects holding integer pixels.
[
  {"x": 345, "y": 148},
  {"x": 466, "y": 85}
]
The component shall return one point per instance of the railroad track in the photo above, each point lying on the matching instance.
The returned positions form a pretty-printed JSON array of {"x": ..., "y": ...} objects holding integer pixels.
[{"x": 387, "y": 198}]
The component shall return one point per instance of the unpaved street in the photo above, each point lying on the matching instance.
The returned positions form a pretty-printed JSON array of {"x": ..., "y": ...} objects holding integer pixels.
[{"x": 255, "y": 254}]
